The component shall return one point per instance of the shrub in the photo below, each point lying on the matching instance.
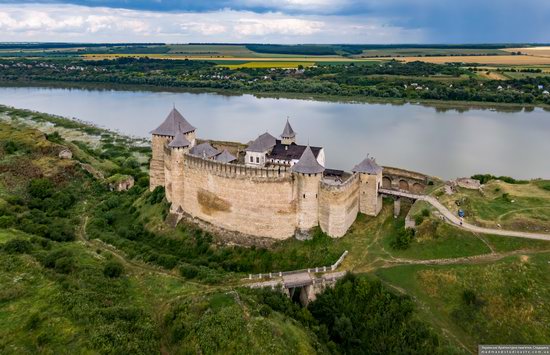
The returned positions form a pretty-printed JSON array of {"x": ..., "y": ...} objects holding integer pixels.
[
  {"x": 156, "y": 196},
  {"x": 41, "y": 188},
  {"x": 64, "y": 265},
  {"x": 189, "y": 271},
  {"x": 7, "y": 221},
  {"x": 54, "y": 137},
  {"x": 403, "y": 239},
  {"x": 113, "y": 269},
  {"x": 17, "y": 246}
]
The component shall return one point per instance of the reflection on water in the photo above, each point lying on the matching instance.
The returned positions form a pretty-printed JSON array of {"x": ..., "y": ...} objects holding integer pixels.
[{"x": 442, "y": 141}]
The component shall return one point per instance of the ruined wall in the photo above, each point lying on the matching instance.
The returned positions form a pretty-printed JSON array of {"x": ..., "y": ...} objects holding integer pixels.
[
  {"x": 338, "y": 206},
  {"x": 254, "y": 201},
  {"x": 156, "y": 167}
]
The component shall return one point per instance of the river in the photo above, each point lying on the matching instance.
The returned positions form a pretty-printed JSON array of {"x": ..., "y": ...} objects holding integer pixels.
[{"x": 445, "y": 143}]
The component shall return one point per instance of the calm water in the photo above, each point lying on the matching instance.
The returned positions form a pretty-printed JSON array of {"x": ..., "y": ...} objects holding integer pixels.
[{"x": 446, "y": 144}]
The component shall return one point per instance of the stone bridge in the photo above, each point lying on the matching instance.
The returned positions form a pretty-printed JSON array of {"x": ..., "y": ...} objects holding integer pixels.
[
  {"x": 404, "y": 180},
  {"x": 302, "y": 287},
  {"x": 400, "y": 183}
]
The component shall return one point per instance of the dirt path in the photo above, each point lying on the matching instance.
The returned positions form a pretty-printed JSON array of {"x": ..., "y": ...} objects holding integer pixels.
[{"x": 451, "y": 218}]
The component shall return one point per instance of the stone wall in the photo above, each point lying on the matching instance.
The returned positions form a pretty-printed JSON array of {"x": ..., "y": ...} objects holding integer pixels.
[
  {"x": 156, "y": 167},
  {"x": 338, "y": 206},
  {"x": 255, "y": 201},
  {"x": 307, "y": 198},
  {"x": 370, "y": 201}
]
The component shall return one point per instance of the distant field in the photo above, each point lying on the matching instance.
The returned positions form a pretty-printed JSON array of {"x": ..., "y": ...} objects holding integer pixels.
[
  {"x": 210, "y": 50},
  {"x": 534, "y": 51},
  {"x": 265, "y": 64},
  {"x": 492, "y": 59},
  {"x": 416, "y": 52}
]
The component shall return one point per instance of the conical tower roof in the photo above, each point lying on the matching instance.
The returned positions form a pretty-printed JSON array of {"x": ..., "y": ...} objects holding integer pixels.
[
  {"x": 225, "y": 157},
  {"x": 307, "y": 163},
  {"x": 288, "y": 132},
  {"x": 179, "y": 141},
  {"x": 367, "y": 166},
  {"x": 170, "y": 125}
]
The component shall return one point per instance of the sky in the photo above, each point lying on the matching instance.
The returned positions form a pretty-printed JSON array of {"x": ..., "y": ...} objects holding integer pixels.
[{"x": 276, "y": 21}]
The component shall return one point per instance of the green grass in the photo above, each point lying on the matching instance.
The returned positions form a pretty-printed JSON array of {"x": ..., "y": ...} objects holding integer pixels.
[
  {"x": 523, "y": 207},
  {"x": 269, "y": 64},
  {"x": 512, "y": 299}
]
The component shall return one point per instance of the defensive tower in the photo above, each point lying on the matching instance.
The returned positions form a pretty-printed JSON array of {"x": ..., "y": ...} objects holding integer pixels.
[
  {"x": 161, "y": 137},
  {"x": 288, "y": 136},
  {"x": 308, "y": 174},
  {"x": 370, "y": 177}
]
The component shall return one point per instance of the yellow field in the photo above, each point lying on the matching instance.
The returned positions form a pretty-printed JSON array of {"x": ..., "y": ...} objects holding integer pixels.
[
  {"x": 277, "y": 58},
  {"x": 264, "y": 64},
  {"x": 534, "y": 51},
  {"x": 489, "y": 59}
]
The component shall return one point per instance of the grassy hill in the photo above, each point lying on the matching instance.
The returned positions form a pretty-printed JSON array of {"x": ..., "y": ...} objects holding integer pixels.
[{"x": 89, "y": 270}]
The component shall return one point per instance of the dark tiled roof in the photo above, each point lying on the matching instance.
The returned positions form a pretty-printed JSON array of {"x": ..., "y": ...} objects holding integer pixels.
[
  {"x": 172, "y": 123},
  {"x": 204, "y": 150},
  {"x": 262, "y": 144},
  {"x": 179, "y": 141},
  {"x": 290, "y": 152},
  {"x": 333, "y": 172},
  {"x": 308, "y": 164},
  {"x": 225, "y": 157},
  {"x": 288, "y": 132},
  {"x": 367, "y": 166}
]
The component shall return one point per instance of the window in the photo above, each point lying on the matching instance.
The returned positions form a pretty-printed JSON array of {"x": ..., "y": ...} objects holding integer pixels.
[
  {"x": 304, "y": 195},
  {"x": 258, "y": 160},
  {"x": 252, "y": 159}
]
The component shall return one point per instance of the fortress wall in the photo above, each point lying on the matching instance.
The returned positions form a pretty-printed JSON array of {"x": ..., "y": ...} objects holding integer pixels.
[
  {"x": 156, "y": 168},
  {"x": 168, "y": 173},
  {"x": 255, "y": 201},
  {"x": 338, "y": 206}
]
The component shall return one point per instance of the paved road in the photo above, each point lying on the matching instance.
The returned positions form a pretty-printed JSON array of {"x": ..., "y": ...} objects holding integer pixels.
[{"x": 453, "y": 219}]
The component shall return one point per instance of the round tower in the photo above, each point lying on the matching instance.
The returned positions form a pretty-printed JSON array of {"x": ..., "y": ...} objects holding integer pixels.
[
  {"x": 370, "y": 177},
  {"x": 308, "y": 174},
  {"x": 178, "y": 147},
  {"x": 159, "y": 168}
]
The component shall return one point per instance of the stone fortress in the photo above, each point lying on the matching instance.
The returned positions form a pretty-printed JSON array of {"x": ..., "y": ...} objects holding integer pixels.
[{"x": 276, "y": 189}]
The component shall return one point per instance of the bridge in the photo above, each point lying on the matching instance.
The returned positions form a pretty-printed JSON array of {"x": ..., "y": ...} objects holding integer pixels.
[{"x": 301, "y": 287}]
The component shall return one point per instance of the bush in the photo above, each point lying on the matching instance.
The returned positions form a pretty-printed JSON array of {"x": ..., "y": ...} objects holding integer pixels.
[
  {"x": 113, "y": 269},
  {"x": 7, "y": 221},
  {"x": 189, "y": 271},
  {"x": 41, "y": 188},
  {"x": 17, "y": 246},
  {"x": 54, "y": 137},
  {"x": 156, "y": 196},
  {"x": 403, "y": 239},
  {"x": 65, "y": 265}
]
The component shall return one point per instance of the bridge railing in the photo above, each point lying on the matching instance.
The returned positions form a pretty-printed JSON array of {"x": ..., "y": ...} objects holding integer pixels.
[{"x": 278, "y": 274}]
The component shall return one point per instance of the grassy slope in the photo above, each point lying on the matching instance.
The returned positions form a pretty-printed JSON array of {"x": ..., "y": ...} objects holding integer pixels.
[
  {"x": 512, "y": 295},
  {"x": 513, "y": 206},
  {"x": 157, "y": 292}
]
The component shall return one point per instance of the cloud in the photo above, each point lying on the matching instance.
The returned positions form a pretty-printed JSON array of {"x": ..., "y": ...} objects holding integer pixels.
[{"x": 44, "y": 22}]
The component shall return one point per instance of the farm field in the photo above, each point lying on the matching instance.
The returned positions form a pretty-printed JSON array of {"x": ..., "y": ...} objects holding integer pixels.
[
  {"x": 490, "y": 59},
  {"x": 416, "y": 52},
  {"x": 268, "y": 64},
  {"x": 534, "y": 51}
]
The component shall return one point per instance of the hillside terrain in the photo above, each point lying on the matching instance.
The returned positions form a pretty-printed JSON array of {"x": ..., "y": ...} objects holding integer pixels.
[{"x": 93, "y": 270}]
